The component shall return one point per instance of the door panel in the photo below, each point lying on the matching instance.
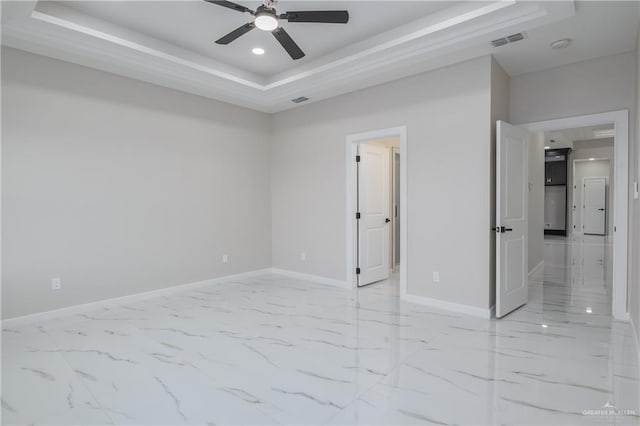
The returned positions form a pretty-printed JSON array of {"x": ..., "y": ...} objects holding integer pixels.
[
  {"x": 511, "y": 218},
  {"x": 374, "y": 201},
  {"x": 514, "y": 258},
  {"x": 514, "y": 201},
  {"x": 594, "y": 205}
]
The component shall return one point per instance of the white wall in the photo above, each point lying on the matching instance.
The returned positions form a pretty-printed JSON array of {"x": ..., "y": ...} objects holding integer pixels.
[
  {"x": 119, "y": 186},
  {"x": 536, "y": 199},
  {"x": 446, "y": 112},
  {"x": 589, "y": 87}
]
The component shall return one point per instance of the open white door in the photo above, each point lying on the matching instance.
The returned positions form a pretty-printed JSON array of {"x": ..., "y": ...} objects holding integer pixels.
[
  {"x": 373, "y": 201},
  {"x": 594, "y": 205},
  {"x": 512, "y": 177}
]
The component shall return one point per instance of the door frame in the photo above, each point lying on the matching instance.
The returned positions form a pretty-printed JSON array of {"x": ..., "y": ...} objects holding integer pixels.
[
  {"x": 394, "y": 151},
  {"x": 573, "y": 190},
  {"x": 620, "y": 162},
  {"x": 352, "y": 142},
  {"x": 606, "y": 199}
]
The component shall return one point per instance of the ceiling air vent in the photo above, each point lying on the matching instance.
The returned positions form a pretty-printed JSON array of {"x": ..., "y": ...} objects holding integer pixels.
[
  {"x": 515, "y": 37},
  {"x": 508, "y": 39},
  {"x": 499, "y": 42},
  {"x": 299, "y": 100}
]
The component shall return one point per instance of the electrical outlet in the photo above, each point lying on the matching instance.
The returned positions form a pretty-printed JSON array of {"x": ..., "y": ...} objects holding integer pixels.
[
  {"x": 303, "y": 256},
  {"x": 436, "y": 277},
  {"x": 56, "y": 283},
  {"x": 225, "y": 258}
]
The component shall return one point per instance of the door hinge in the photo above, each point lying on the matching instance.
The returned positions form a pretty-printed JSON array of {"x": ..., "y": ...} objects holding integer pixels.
[
  {"x": 357, "y": 271},
  {"x": 358, "y": 215},
  {"x": 357, "y": 158}
]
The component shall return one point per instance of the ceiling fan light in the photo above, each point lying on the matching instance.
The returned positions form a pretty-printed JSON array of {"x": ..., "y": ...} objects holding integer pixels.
[{"x": 266, "y": 21}]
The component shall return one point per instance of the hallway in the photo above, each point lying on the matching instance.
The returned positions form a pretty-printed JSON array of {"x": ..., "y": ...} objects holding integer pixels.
[{"x": 578, "y": 272}]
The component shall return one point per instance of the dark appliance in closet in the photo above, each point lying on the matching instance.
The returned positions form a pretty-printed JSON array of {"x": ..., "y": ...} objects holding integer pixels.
[{"x": 555, "y": 191}]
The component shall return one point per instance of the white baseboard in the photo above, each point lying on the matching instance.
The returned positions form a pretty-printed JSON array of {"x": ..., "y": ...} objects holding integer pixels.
[
  {"x": 312, "y": 278},
  {"x": 85, "y": 307},
  {"x": 449, "y": 306},
  {"x": 536, "y": 268},
  {"x": 634, "y": 331},
  {"x": 492, "y": 311}
]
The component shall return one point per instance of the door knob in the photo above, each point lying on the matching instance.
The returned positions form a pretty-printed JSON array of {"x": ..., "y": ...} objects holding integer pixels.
[
  {"x": 601, "y": 210},
  {"x": 387, "y": 220},
  {"x": 501, "y": 229}
]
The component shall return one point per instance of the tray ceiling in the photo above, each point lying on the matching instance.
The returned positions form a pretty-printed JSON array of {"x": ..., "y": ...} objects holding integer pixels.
[{"x": 171, "y": 43}]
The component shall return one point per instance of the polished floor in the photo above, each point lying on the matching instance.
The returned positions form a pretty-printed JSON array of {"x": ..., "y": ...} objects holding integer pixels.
[{"x": 276, "y": 350}]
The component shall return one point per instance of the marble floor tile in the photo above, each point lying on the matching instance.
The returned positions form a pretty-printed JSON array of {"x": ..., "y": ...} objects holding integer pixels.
[{"x": 278, "y": 350}]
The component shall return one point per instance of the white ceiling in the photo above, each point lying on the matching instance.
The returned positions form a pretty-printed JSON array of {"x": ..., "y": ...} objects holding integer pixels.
[
  {"x": 569, "y": 137},
  {"x": 599, "y": 28},
  {"x": 171, "y": 43},
  {"x": 195, "y": 25}
]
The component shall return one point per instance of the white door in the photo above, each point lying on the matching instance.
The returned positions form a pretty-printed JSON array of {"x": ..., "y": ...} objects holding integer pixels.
[
  {"x": 594, "y": 205},
  {"x": 373, "y": 204},
  {"x": 512, "y": 179}
]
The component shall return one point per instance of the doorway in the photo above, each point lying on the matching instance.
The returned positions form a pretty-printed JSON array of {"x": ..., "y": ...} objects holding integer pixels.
[
  {"x": 594, "y": 187},
  {"x": 578, "y": 257},
  {"x": 376, "y": 206},
  {"x": 374, "y": 243},
  {"x": 594, "y": 208},
  {"x": 613, "y": 125}
]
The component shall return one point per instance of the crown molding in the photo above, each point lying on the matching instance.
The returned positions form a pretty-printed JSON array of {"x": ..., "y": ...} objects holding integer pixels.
[{"x": 456, "y": 33}]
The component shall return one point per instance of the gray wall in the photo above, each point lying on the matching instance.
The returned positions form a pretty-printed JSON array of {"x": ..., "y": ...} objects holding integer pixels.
[
  {"x": 120, "y": 187},
  {"x": 446, "y": 112},
  {"x": 589, "y": 87}
]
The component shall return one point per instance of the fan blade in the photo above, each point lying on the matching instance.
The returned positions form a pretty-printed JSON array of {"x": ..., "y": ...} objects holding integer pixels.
[
  {"x": 287, "y": 42},
  {"x": 236, "y": 33},
  {"x": 318, "y": 16},
  {"x": 231, "y": 5}
]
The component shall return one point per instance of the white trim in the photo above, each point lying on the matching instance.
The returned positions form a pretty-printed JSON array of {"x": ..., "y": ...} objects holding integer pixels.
[
  {"x": 452, "y": 307},
  {"x": 57, "y": 31},
  {"x": 394, "y": 262},
  {"x": 351, "y": 142},
  {"x": 535, "y": 269},
  {"x": 620, "y": 119},
  {"x": 85, "y": 307},
  {"x": 311, "y": 278}
]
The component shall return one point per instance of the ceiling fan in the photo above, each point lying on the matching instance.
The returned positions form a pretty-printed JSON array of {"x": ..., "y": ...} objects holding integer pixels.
[{"x": 266, "y": 19}]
